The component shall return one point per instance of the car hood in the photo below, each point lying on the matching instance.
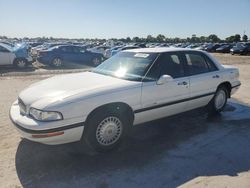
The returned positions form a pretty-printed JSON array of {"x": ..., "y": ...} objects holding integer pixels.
[
  {"x": 21, "y": 50},
  {"x": 57, "y": 88}
]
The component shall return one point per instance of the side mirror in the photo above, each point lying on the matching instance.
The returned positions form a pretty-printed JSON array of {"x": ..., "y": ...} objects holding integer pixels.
[{"x": 164, "y": 79}]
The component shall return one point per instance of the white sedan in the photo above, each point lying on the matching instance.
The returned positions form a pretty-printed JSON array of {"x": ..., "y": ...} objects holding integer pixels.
[
  {"x": 17, "y": 55},
  {"x": 134, "y": 86}
]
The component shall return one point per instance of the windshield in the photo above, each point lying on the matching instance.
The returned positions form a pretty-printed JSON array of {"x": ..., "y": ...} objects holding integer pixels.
[
  {"x": 240, "y": 45},
  {"x": 8, "y": 47},
  {"x": 127, "y": 65}
]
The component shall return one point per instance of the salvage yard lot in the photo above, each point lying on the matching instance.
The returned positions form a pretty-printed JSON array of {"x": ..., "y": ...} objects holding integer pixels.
[{"x": 189, "y": 150}]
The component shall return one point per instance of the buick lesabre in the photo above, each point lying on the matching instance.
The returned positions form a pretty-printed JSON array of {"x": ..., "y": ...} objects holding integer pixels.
[{"x": 134, "y": 86}]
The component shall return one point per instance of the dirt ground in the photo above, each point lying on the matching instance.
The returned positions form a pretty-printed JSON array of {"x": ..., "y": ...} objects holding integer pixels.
[{"x": 189, "y": 150}]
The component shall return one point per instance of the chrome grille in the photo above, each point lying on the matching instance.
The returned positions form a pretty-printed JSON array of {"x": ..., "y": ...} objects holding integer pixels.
[{"x": 22, "y": 106}]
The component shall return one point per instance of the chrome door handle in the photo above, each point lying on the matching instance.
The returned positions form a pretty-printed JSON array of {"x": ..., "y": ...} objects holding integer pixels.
[
  {"x": 182, "y": 83},
  {"x": 216, "y": 76}
]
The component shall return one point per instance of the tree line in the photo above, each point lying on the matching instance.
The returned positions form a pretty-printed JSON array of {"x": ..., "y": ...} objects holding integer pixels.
[
  {"x": 193, "y": 39},
  {"x": 159, "y": 39}
]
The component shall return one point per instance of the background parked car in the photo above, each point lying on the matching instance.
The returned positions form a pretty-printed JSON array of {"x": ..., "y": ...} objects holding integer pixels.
[
  {"x": 241, "y": 48},
  {"x": 99, "y": 49},
  {"x": 17, "y": 55},
  {"x": 212, "y": 47},
  {"x": 108, "y": 52},
  {"x": 113, "y": 52},
  {"x": 8, "y": 43},
  {"x": 225, "y": 48},
  {"x": 59, "y": 55},
  {"x": 34, "y": 51}
]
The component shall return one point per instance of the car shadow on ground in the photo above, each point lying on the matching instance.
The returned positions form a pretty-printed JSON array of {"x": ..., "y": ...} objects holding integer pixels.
[
  {"x": 163, "y": 153},
  {"x": 38, "y": 68},
  {"x": 66, "y": 66},
  {"x": 12, "y": 69}
]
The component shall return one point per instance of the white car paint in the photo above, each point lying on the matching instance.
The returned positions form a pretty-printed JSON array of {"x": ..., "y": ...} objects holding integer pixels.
[
  {"x": 77, "y": 95},
  {"x": 6, "y": 56}
]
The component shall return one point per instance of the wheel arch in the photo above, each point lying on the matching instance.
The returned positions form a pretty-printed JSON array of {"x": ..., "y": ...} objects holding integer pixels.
[
  {"x": 18, "y": 58},
  {"x": 121, "y": 107},
  {"x": 56, "y": 56},
  {"x": 228, "y": 87}
]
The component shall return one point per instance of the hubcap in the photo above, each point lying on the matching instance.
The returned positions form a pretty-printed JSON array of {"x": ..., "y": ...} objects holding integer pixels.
[
  {"x": 57, "y": 62},
  {"x": 220, "y": 99},
  {"x": 21, "y": 63},
  {"x": 109, "y": 131},
  {"x": 96, "y": 61}
]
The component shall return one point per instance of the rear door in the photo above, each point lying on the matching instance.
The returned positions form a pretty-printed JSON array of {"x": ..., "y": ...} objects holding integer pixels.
[
  {"x": 167, "y": 99},
  {"x": 4, "y": 56},
  {"x": 204, "y": 78},
  {"x": 67, "y": 53},
  {"x": 82, "y": 55}
]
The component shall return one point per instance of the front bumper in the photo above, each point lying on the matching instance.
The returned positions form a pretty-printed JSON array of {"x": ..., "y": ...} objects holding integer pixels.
[{"x": 51, "y": 133}]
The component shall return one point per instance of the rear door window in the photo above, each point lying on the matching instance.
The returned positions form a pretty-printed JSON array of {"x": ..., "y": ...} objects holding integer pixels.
[
  {"x": 211, "y": 65},
  {"x": 67, "y": 49},
  {"x": 196, "y": 63}
]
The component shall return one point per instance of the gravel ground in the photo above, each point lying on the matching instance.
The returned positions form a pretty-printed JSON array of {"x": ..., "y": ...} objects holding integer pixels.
[{"x": 189, "y": 150}]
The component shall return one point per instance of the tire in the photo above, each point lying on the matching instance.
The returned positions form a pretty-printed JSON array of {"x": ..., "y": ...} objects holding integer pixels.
[
  {"x": 96, "y": 61},
  {"x": 20, "y": 63},
  {"x": 219, "y": 101},
  {"x": 57, "y": 62},
  {"x": 105, "y": 130}
]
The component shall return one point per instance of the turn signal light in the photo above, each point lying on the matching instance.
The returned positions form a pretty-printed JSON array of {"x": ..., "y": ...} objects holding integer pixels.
[{"x": 47, "y": 135}]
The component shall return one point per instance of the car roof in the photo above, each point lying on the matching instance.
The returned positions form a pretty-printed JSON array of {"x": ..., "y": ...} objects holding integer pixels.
[{"x": 160, "y": 50}]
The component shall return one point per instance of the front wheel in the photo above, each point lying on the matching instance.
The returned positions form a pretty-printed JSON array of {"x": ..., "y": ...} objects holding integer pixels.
[
  {"x": 57, "y": 62},
  {"x": 20, "y": 63},
  {"x": 105, "y": 130},
  {"x": 96, "y": 61},
  {"x": 219, "y": 101}
]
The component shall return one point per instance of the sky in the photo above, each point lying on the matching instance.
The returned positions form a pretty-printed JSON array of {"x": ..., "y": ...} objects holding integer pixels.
[{"x": 123, "y": 18}]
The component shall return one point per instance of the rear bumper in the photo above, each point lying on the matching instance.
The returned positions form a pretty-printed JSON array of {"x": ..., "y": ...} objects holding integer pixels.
[{"x": 51, "y": 133}]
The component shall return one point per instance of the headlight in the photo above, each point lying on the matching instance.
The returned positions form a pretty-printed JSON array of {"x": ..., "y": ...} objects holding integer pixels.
[{"x": 45, "y": 115}]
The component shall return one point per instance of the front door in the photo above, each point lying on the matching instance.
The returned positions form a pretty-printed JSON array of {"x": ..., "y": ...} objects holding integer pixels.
[{"x": 161, "y": 100}]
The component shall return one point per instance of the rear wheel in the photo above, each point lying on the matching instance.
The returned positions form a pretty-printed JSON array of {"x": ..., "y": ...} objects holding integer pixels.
[
  {"x": 105, "y": 130},
  {"x": 219, "y": 101},
  {"x": 96, "y": 61},
  {"x": 57, "y": 62},
  {"x": 20, "y": 63}
]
